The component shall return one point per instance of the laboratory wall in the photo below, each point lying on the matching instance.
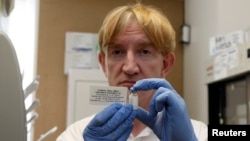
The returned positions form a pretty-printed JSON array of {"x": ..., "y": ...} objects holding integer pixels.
[
  {"x": 207, "y": 19},
  {"x": 56, "y": 17}
]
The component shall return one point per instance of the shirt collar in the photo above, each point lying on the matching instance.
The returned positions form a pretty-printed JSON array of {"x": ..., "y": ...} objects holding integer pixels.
[{"x": 144, "y": 133}]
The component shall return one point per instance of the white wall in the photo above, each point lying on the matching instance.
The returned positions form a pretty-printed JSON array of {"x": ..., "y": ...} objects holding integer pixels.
[
  {"x": 233, "y": 15},
  {"x": 207, "y": 18}
]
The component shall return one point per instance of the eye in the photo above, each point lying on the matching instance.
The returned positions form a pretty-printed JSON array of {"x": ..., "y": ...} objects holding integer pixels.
[
  {"x": 145, "y": 51},
  {"x": 116, "y": 52}
]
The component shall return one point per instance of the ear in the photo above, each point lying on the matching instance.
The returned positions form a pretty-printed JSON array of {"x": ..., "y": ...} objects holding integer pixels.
[
  {"x": 168, "y": 63},
  {"x": 101, "y": 59}
]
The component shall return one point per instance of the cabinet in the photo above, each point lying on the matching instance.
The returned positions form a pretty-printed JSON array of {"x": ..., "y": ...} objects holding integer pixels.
[
  {"x": 228, "y": 81},
  {"x": 79, "y": 82}
]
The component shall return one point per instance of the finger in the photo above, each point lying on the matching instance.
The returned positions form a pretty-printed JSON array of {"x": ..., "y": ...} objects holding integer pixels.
[
  {"x": 118, "y": 118},
  {"x": 161, "y": 85},
  {"x": 150, "y": 83},
  {"x": 144, "y": 117},
  {"x": 166, "y": 98},
  {"x": 160, "y": 100},
  {"x": 125, "y": 128},
  {"x": 102, "y": 117}
]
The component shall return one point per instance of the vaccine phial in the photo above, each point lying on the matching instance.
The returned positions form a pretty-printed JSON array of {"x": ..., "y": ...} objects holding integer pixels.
[{"x": 133, "y": 99}]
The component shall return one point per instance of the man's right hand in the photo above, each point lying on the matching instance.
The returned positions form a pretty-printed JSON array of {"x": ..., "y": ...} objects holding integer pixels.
[{"x": 114, "y": 123}]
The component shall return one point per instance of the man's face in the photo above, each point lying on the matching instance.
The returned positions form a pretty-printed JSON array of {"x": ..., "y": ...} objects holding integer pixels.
[{"x": 131, "y": 57}]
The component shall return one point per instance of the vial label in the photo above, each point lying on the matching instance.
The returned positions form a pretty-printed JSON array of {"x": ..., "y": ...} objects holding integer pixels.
[{"x": 105, "y": 95}]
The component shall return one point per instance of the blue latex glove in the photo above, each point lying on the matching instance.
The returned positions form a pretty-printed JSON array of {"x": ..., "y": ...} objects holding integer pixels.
[
  {"x": 167, "y": 116},
  {"x": 114, "y": 123}
]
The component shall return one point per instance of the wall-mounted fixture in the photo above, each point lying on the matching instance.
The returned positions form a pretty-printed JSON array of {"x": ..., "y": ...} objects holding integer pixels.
[
  {"x": 186, "y": 29},
  {"x": 6, "y": 7}
]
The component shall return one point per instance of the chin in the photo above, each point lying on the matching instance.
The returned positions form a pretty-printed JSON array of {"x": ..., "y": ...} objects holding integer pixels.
[{"x": 128, "y": 85}]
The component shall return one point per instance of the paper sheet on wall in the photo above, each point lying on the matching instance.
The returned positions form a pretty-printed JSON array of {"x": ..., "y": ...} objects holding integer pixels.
[
  {"x": 80, "y": 51},
  {"x": 225, "y": 61},
  {"x": 224, "y": 50},
  {"x": 223, "y": 43}
]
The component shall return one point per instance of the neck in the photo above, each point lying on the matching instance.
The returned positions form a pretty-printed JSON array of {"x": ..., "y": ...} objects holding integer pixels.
[{"x": 138, "y": 127}]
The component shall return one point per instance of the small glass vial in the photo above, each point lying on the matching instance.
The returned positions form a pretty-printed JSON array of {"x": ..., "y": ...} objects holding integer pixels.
[{"x": 133, "y": 99}]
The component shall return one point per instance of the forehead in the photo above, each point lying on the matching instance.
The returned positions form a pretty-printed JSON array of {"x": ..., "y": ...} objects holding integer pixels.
[
  {"x": 131, "y": 32},
  {"x": 132, "y": 25}
]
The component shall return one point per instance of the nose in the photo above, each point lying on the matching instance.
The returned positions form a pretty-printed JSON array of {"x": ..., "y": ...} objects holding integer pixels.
[{"x": 130, "y": 66}]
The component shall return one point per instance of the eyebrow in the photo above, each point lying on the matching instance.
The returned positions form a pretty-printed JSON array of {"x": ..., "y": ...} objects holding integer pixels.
[{"x": 140, "y": 42}]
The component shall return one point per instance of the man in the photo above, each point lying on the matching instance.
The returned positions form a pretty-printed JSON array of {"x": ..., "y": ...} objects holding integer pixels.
[{"x": 137, "y": 45}]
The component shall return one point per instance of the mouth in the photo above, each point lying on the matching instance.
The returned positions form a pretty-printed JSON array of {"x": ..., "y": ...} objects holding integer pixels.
[{"x": 126, "y": 83}]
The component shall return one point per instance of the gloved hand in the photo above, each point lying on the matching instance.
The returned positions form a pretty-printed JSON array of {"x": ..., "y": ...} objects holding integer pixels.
[
  {"x": 167, "y": 116},
  {"x": 114, "y": 123}
]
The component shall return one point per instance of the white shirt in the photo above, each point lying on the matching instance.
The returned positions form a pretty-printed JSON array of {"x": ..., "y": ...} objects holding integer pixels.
[{"x": 74, "y": 132}]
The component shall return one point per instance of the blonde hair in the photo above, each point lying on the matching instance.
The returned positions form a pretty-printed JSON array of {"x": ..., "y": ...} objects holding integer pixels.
[{"x": 153, "y": 22}]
